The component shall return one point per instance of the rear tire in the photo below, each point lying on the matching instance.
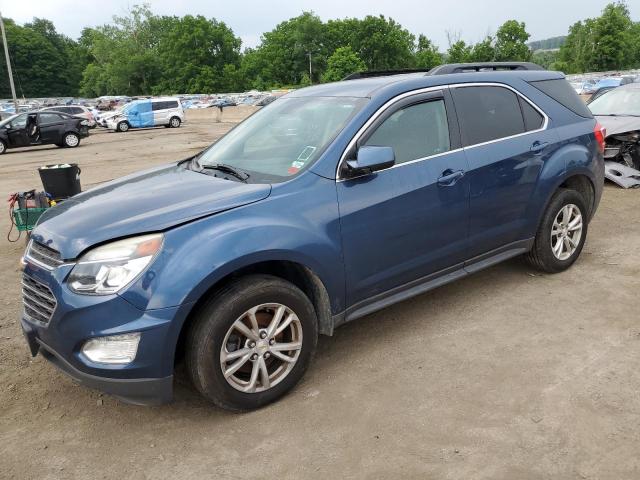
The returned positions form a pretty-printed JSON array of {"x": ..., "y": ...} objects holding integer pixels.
[
  {"x": 561, "y": 234},
  {"x": 214, "y": 336},
  {"x": 123, "y": 126},
  {"x": 71, "y": 140}
]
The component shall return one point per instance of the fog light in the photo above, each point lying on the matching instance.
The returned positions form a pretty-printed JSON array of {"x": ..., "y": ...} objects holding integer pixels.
[{"x": 114, "y": 349}]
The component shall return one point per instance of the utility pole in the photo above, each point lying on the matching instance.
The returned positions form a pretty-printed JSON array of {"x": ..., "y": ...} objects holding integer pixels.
[
  {"x": 310, "y": 72},
  {"x": 6, "y": 56}
]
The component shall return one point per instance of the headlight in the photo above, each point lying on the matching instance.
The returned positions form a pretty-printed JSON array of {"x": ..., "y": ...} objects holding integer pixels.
[
  {"x": 84, "y": 122},
  {"x": 111, "y": 267}
]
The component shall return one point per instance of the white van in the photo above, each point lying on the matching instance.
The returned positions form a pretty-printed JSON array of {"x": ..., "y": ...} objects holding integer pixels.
[{"x": 154, "y": 112}]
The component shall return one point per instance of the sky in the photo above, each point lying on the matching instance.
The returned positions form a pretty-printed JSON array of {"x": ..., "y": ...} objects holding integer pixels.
[{"x": 471, "y": 20}]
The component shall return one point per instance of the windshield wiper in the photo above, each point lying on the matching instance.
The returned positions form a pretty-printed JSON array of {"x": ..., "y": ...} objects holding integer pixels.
[
  {"x": 223, "y": 167},
  {"x": 616, "y": 115}
]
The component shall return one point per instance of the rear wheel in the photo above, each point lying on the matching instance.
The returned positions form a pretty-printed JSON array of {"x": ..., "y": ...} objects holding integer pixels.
[
  {"x": 174, "y": 122},
  {"x": 561, "y": 234},
  {"x": 251, "y": 343},
  {"x": 123, "y": 126},
  {"x": 71, "y": 140}
]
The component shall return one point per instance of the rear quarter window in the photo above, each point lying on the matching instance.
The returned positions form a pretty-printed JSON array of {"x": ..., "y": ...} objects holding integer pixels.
[{"x": 561, "y": 92}]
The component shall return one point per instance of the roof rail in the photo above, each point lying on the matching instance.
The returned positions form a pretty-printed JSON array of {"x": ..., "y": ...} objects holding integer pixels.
[
  {"x": 482, "y": 66},
  {"x": 381, "y": 73}
]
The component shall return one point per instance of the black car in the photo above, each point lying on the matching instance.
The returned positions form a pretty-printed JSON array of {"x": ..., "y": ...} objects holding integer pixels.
[{"x": 42, "y": 128}]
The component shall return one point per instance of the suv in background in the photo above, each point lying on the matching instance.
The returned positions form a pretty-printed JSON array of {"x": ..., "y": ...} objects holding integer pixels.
[
  {"x": 76, "y": 111},
  {"x": 146, "y": 113},
  {"x": 329, "y": 204}
]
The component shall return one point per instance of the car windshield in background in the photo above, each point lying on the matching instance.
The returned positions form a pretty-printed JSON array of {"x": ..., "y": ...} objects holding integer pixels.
[
  {"x": 620, "y": 101},
  {"x": 284, "y": 138}
]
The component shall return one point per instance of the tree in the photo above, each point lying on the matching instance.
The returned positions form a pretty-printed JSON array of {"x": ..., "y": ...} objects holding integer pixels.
[
  {"x": 343, "y": 62},
  {"x": 511, "y": 42},
  {"x": 194, "y": 52},
  {"x": 608, "y": 42},
  {"x": 427, "y": 55},
  {"x": 459, "y": 52},
  {"x": 612, "y": 39},
  {"x": 483, "y": 51},
  {"x": 45, "y": 63}
]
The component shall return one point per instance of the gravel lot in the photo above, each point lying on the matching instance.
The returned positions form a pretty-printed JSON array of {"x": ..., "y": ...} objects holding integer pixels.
[{"x": 507, "y": 374}]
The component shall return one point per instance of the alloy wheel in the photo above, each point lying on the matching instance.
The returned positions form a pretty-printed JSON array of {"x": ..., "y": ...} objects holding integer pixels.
[
  {"x": 261, "y": 348},
  {"x": 71, "y": 140},
  {"x": 566, "y": 232}
]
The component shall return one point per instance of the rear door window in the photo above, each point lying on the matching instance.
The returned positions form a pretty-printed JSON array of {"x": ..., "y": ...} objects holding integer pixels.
[
  {"x": 487, "y": 113},
  {"x": 155, "y": 106},
  {"x": 48, "y": 118},
  {"x": 416, "y": 131}
]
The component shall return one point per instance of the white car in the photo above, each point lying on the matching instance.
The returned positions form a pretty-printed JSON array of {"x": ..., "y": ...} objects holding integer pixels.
[{"x": 155, "y": 112}]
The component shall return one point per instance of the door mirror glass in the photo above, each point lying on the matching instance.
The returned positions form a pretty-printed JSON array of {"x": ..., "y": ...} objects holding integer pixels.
[{"x": 371, "y": 159}]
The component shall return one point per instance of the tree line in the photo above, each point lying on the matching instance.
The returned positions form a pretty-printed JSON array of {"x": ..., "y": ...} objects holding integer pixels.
[{"x": 144, "y": 53}]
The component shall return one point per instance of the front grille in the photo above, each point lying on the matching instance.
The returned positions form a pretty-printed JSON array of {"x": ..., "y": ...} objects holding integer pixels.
[
  {"x": 39, "y": 302},
  {"x": 44, "y": 255}
]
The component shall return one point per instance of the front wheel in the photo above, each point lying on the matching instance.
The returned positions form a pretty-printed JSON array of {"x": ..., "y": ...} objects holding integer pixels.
[
  {"x": 561, "y": 234},
  {"x": 71, "y": 140},
  {"x": 174, "y": 122},
  {"x": 251, "y": 343},
  {"x": 3, "y": 147},
  {"x": 123, "y": 126}
]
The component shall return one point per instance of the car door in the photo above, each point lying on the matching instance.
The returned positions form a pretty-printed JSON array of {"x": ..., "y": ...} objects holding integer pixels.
[
  {"x": 404, "y": 223},
  {"x": 160, "y": 113},
  {"x": 51, "y": 126},
  {"x": 16, "y": 131},
  {"x": 506, "y": 143}
]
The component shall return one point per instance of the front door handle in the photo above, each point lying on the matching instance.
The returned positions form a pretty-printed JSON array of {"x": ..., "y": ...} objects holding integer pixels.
[
  {"x": 537, "y": 146},
  {"x": 450, "y": 177}
]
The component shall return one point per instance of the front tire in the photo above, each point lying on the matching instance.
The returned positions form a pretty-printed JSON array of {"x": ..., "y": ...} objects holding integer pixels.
[
  {"x": 123, "y": 127},
  {"x": 174, "y": 122},
  {"x": 71, "y": 140},
  {"x": 3, "y": 147},
  {"x": 251, "y": 343},
  {"x": 561, "y": 234}
]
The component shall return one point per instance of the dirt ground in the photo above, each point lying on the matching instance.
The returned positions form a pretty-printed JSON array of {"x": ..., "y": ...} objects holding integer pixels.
[{"x": 507, "y": 374}]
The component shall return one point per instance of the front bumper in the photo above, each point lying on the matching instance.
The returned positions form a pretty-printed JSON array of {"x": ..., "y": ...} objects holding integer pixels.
[
  {"x": 77, "y": 318},
  {"x": 137, "y": 391}
]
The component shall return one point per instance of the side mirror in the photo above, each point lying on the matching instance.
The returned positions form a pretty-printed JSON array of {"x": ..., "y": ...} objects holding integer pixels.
[{"x": 371, "y": 159}]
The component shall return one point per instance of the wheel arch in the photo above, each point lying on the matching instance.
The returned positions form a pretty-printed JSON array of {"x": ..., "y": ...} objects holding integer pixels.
[{"x": 298, "y": 274}]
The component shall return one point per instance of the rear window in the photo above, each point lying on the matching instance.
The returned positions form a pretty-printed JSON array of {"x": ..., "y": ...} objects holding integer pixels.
[
  {"x": 561, "y": 92},
  {"x": 487, "y": 113}
]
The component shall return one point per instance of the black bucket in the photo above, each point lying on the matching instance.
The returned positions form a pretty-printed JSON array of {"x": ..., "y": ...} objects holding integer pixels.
[{"x": 61, "y": 181}]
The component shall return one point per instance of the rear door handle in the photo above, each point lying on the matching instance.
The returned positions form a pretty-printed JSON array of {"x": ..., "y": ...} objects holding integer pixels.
[
  {"x": 537, "y": 146},
  {"x": 449, "y": 177}
]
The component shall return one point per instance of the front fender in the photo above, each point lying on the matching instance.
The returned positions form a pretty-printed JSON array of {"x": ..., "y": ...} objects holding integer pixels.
[{"x": 298, "y": 225}]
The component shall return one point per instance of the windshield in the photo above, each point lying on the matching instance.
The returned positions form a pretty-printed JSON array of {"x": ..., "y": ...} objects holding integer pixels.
[
  {"x": 619, "y": 101},
  {"x": 283, "y": 138}
]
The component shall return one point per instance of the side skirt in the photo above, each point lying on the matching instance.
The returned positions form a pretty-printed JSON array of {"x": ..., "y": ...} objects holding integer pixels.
[{"x": 429, "y": 282}]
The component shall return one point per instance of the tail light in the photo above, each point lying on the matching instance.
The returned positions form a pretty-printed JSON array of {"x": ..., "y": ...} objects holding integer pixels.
[{"x": 600, "y": 133}]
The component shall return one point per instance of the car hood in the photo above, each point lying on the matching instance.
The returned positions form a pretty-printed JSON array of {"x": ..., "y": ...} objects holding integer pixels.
[
  {"x": 153, "y": 200},
  {"x": 615, "y": 125}
]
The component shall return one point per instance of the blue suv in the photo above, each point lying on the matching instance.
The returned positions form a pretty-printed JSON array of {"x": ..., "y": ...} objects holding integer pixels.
[{"x": 331, "y": 203}]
